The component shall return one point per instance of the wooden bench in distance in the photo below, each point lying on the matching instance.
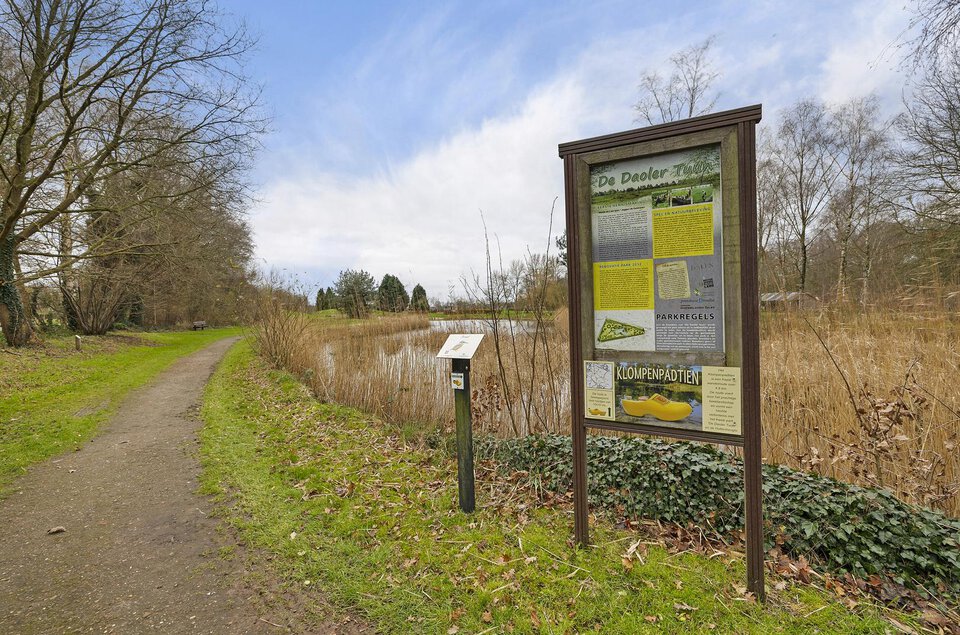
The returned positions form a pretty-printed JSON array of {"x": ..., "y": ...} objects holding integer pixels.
[{"x": 199, "y": 325}]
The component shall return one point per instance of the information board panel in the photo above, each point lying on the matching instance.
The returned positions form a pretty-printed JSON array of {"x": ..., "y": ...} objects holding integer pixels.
[
  {"x": 460, "y": 346},
  {"x": 657, "y": 242},
  {"x": 664, "y": 300},
  {"x": 702, "y": 398}
]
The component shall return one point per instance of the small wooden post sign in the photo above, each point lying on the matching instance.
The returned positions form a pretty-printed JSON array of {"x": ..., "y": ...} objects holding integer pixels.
[
  {"x": 664, "y": 302},
  {"x": 460, "y": 349}
]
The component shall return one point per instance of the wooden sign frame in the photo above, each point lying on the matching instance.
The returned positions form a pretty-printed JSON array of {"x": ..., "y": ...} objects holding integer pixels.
[{"x": 735, "y": 132}]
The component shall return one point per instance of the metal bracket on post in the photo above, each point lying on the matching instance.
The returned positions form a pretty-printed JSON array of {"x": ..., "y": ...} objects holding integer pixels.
[{"x": 465, "y": 478}]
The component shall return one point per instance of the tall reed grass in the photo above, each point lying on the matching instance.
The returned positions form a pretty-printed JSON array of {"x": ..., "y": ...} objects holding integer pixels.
[
  {"x": 866, "y": 397},
  {"x": 388, "y": 366},
  {"x": 870, "y": 398}
]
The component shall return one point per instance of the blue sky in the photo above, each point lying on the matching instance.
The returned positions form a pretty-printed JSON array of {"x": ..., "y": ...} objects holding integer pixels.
[{"x": 396, "y": 123}]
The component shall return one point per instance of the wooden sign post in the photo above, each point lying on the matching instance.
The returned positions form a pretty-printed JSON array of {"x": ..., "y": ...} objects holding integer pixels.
[
  {"x": 664, "y": 298},
  {"x": 461, "y": 398},
  {"x": 460, "y": 349}
]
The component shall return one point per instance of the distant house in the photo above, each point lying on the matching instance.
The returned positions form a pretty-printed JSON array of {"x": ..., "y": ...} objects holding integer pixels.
[{"x": 792, "y": 300}]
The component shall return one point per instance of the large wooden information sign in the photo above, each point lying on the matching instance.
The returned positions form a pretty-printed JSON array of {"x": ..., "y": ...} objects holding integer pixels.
[{"x": 664, "y": 303}]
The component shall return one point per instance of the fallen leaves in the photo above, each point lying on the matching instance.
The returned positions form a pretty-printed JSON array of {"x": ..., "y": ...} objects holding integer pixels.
[
  {"x": 683, "y": 610},
  {"x": 347, "y": 490},
  {"x": 788, "y": 568},
  {"x": 636, "y": 551}
]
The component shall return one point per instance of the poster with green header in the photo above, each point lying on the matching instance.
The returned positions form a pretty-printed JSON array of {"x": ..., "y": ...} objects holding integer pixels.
[{"x": 657, "y": 250}]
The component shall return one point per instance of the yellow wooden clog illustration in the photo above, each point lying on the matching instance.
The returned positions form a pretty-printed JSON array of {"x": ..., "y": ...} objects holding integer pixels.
[{"x": 657, "y": 406}]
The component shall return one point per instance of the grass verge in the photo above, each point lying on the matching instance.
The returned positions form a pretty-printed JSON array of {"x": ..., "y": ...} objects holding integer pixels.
[
  {"x": 337, "y": 503},
  {"x": 53, "y": 398}
]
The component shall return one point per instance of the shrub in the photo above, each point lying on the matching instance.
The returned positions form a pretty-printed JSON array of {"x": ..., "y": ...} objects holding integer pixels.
[{"x": 844, "y": 527}]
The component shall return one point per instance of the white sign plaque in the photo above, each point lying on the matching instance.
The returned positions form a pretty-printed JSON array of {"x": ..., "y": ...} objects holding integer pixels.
[{"x": 460, "y": 346}]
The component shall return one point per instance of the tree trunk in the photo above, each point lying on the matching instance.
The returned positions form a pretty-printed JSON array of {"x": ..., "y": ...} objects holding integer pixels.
[
  {"x": 842, "y": 269},
  {"x": 867, "y": 270},
  {"x": 803, "y": 263},
  {"x": 25, "y": 295},
  {"x": 13, "y": 318}
]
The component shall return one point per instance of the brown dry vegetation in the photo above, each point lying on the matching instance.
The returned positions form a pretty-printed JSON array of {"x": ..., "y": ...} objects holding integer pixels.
[
  {"x": 388, "y": 366},
  {"x": 880, "y": 408}
]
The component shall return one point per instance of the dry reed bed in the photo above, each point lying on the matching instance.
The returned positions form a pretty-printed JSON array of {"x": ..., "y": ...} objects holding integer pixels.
[
  {"x": 871, "y": 398},
  {"x": 892, "y": 423},
  {"x": 388, "y": 366}
]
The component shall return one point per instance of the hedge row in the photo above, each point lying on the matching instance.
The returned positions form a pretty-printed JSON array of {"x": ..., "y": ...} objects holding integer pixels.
[{"x": 845, "y": 527}]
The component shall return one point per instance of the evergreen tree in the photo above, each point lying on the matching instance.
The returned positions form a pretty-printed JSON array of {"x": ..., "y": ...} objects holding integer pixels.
[
  {"x": 561, "y": 242},
  {"x": 321, "y": 300},
  {"x": 392, "y": 296},
  {"x": 418, "y": 301},
  {"x": 135, "y": 316},
  {"x": 355, "y": 292}
]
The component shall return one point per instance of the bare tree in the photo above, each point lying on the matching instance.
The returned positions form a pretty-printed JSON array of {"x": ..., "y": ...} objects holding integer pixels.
[
  {"x": 102, "y": 88},
  {"x": 801, "y": 153},
  {"x": 938, "y": 24},
  {"x": 688, "y": 92},
  {"x": 930, "y": 159},
  {"x": 771, "y": 200},
  {"x": 860, "y": 146},
  {"x": 506, "y": 295}
]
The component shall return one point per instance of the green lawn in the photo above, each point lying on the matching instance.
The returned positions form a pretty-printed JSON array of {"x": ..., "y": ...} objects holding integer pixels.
[
  {"x": 53, "y": 398},
  {"x": 335, "y": 503}
]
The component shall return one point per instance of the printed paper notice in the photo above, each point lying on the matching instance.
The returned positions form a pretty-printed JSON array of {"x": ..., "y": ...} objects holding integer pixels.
[
  {"x": 598, "y": 399},
  {"x": 721, "y": 400},
  {"x": 623, "y": 285},
  {"x": 624, "y": 235},
  {"x": 656, "y": 231},
  {"x": 667, "y": 395},
  {"x": 673, "y": 281},
  {"x": 684, "y": 231}
]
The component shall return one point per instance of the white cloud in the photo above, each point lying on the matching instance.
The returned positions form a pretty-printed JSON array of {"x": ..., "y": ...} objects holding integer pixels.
[
  {"x": 420, "y": 218},
  {"x": 864, "y": 58}
]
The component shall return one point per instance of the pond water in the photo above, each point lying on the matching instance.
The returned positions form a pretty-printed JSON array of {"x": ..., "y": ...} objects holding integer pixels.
[
  {"x": 482, "y": 326},
  {"x": 399, "y": 373}
]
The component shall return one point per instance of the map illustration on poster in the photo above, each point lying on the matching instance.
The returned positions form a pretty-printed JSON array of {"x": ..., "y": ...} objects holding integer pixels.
[{"x": 657, "y": 228}]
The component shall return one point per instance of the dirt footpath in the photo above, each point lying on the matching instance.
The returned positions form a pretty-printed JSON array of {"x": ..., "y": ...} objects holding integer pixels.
[{"x": 139, "y": 552}]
